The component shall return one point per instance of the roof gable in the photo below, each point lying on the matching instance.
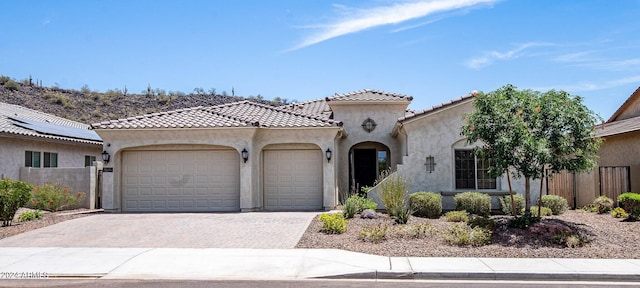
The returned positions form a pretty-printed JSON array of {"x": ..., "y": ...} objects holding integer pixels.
[
  {"x": 630, "y": 108},
  {"x": 18, "y": 120},
  {"x": 416, "y": 114},
  {"x": 236, "y": 114},
  {"x": 369, "y": 95}
]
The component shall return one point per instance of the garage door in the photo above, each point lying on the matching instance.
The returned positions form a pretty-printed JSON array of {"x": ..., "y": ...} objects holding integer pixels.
[
  {"x": 181, "y": 181},
  {"x": 293, "y": 180}
]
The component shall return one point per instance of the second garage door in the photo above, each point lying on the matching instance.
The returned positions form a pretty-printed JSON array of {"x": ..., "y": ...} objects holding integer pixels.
[
  {"x": 181, "y": 181},
  {"x": 292, "y": 180}
]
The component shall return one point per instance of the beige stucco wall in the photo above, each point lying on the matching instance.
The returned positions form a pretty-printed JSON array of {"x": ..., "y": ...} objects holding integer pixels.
[
  {"x": 76, "y": 179},
  {"x": 69, "y": 155},
  {"x": 253, "y": 139},
  {"x": 352, "y": 115},
  {"x": 438, "y": 135}
]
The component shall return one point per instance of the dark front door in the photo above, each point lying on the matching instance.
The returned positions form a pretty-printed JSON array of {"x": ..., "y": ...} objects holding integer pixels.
[{"x": 365, "y": 167}]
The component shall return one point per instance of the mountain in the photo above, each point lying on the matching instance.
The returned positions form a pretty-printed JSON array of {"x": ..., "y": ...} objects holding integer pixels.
[{"x": 89, "y": 107}]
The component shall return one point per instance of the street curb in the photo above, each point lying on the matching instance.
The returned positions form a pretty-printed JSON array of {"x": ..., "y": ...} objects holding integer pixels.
[{"x": 386, "y": 275}]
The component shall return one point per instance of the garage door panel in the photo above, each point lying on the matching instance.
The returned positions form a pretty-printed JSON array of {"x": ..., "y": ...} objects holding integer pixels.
[
  {"x": 181, "y": 180},
  {"x": 293, "y": 179}
]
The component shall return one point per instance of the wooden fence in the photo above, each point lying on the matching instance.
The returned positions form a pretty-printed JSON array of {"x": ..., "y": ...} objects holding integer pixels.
[
  {"x": 562, "y": 184},
  {"x": 614, "y": 180}
]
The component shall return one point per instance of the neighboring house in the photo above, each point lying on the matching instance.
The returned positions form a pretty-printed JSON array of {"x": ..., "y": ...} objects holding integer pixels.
[
  {"x": 246, "y": 156},
  {"x": 32, "y": 139}
]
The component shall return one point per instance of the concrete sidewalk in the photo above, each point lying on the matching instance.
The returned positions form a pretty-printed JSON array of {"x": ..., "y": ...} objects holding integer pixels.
[{"x": 295, "y": 264}]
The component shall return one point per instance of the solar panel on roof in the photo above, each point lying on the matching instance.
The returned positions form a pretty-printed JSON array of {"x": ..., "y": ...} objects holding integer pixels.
[{"x": 57, "y": 130}]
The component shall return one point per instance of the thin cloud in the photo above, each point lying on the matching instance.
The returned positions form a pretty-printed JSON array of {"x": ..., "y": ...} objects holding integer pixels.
[
  {"x": 354, "y": 20},
  {"x": 592, "y": 86},
  {"x": 490, "y": 57}
]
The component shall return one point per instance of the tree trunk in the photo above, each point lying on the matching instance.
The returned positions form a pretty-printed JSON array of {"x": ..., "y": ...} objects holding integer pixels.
[
  {"x": 513, "y": 201},
  {"x": 527, "y": 195},
  {"x": 540, "y": 196}
]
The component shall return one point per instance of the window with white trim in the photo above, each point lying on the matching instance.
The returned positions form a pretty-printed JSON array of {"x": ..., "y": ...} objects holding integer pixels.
[{"x": 473, "y": 172}]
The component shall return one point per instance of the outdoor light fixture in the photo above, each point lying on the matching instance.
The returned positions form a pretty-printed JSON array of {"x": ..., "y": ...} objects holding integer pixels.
[
  {"x": 245, "y": 155},
  {"x": 328, "y": 154},
  {"x": 105, "y": 156}
]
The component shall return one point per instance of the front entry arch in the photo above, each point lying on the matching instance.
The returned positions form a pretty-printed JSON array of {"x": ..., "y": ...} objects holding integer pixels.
[{"x": 366, "y": 161}]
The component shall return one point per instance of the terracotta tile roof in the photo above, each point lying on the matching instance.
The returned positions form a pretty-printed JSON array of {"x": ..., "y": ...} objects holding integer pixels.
[
  {"x": 618, "y": 127},
  {"x": 318, "y": 108},
  {"x": 369, "y": 95},
  {"x": 414, "y": 114},
  {"x": 237, "y": 114},
  {"x": 18, "y": 120}
]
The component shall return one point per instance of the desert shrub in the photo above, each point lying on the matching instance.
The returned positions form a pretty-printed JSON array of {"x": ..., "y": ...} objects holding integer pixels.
[
  {"x": 54, "y": 197},
  {"x": 13, "y": 195},
  {"x": 356, "y": 204},
  {"x": 374, "y": 234},
  {"x": 558, "y": 233},
  {"x": 474, "y": 203},
  {"x": 393, "y": 193},
  {"x": 11, "y": 85},
  {"x": 426, "y": 204},
  {"x": 30, "y": 215},
  {"x": 4, "y": 79},
  {"x": 482, "y": 222},
  {"x": 602, "y": 204},
  {"x": 456, "y": 216},
  {"x": 545, "y": 211},
  {"x": 557, "y": 204},
  {"x": 464, "y": 235},
  {"x": 419, "y": 230},
  {"x": 333, "y": 223},
  {"x": 524, "y": 221},
  {"x": 401, "y": 214},
  {"x": 618, "y": 212},
  {"x": 630, "y": 202},
  {"x": 505, "y": 204}
]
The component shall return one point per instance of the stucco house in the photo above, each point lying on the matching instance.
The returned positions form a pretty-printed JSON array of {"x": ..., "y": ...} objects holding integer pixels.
[
  {"x": 38, "y": 147},
  {"x": 245, "y": 156}
]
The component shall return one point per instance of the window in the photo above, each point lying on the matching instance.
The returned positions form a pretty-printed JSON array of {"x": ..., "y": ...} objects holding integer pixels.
[
  {"x": 88, "y": 160},
  {"x": 32, "y": 159},
  {"x": 473, "y": 172},
  {"x": 50, "y": 160},
  {"x": 382, "y": 161}
]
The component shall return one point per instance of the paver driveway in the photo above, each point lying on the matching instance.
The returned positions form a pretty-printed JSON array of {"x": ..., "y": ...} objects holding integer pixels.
[{"x": 171, "y": 230}]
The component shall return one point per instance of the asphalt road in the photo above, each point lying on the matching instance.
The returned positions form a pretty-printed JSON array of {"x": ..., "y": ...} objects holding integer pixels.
[{"x": 303, "y": 283}]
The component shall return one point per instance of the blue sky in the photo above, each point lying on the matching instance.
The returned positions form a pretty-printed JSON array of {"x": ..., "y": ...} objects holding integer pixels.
[{"x": 433, "y": 50}]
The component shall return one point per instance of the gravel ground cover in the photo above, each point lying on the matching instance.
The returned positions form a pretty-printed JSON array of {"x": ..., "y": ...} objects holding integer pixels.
[
  {"x": 49, "y": 218},
  {"x": 607, "y": 237}
]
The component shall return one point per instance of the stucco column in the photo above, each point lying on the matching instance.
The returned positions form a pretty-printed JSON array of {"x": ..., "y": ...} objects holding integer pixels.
[
  {"x": 329, "y": 177},
  {"x": 246, "y": 181}
]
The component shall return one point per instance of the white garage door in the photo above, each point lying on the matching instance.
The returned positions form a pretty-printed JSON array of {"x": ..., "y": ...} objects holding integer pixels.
[
  {"x": 293, "y": 180},
  {"x": 182, "y": 181}
]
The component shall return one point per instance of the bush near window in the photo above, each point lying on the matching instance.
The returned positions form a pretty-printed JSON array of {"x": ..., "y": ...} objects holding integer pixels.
[
  {"x": 54, "y": 197},
  {"x": 333, "y": 223},
  {"x": 505, "y": 204},
  {"x": 474, "y": 203},
  {"x": 13, "y": 195},
  {"x": 456, "y": 216},
  {"x": 557, "y": 204},
  {"x": 30, "y": 215},
  {"x": 545, "y": 211},
  {"x": 426, "y": 204},
  {"x": 356, "y": 204},
  {"x": 630, "y": 202}
]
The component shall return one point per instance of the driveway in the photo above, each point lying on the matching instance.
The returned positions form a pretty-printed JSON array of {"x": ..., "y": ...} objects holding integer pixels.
[{"x": 171, "y": 230}]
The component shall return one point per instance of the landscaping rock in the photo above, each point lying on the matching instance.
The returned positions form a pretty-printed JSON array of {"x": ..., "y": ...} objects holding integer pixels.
[{"x": 369, "y": 214}]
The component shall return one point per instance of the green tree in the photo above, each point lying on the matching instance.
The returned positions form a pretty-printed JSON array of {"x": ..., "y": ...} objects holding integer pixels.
[
  {"x": 13, "y": 195},
  {"x": 525, "y": 131}
]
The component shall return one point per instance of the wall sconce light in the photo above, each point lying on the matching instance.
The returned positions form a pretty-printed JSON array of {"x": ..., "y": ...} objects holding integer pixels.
[
  {"x": 105, "y": 156},
  {"x": 328, "y": 155},
  {"x": 431, "y": 164},
  {"x": 245, "y": 155}
]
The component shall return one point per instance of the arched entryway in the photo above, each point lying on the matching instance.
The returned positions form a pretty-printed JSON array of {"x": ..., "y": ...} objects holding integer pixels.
[{"x": 366, "y": 161}]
